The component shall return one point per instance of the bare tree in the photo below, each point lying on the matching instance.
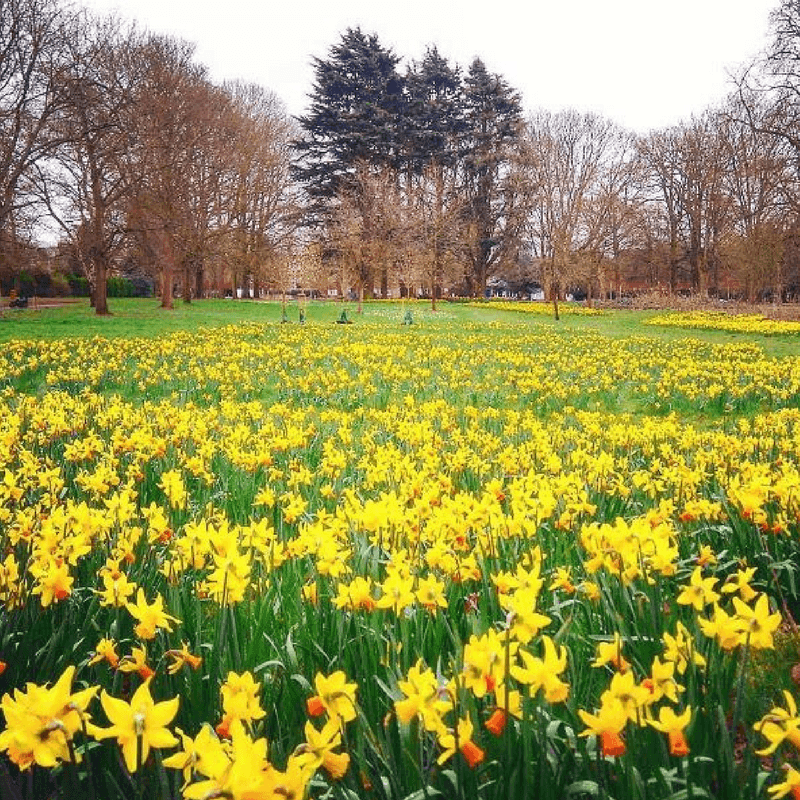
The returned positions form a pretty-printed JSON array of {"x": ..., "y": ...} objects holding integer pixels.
[
  {"x": 261, "y": 207},
  {"x": 576, "y": 164},
  {"x": 756, "y": 178},
  {"x": 174, "y": 105},
  {"x": 368, "y": 226},
  {"x": 687, "y": 168},
  {"x": 85, "y": 184},
  {"x": 435, "y": 230},
  {"x": 661, "y": 155},
  {"x": 33, "y": 57}
]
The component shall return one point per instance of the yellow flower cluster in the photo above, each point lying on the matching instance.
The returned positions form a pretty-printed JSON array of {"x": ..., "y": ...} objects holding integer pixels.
[
  {"x": 540, "y": 308},
  {"x": 720, "y": 321}
]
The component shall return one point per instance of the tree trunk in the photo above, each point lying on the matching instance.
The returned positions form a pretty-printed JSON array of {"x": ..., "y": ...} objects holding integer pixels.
[
  {"x": 188, "y": 269},
  {"x": 99, "y": 252},
  {"x": 554, "y": 290},
  {"x": 673, "y": 260},
  {"x": 166, "y": 288},
  {"x": 167, "y": 272},
  {"x": 100, "y": 292}
]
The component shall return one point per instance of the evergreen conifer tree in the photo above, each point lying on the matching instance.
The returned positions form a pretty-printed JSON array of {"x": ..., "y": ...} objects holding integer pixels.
[
  {"x": 356, "y": 114},
  {"x": 493, "y": 112}
]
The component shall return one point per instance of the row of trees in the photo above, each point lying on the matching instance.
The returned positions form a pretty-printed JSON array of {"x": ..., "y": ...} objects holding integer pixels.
[
  {"x": 428, "y": 177},
  {"x": 121, "y": 140},
  {"x": 406, "y": 171},
  {"x": 435, "y": 175}
]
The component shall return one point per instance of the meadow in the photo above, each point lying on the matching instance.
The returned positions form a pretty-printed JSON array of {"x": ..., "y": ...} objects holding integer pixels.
[{"x": 482, "y": 555}]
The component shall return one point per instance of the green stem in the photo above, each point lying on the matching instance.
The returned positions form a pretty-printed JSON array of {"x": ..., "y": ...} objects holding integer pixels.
[
  {"x": 73, "y": 768},
  {"x": 740, "y": 685},
  {"x": 87, "y": 755},
  {"x": 139, "y": 779},
  {"x": 234, "y": 633}
]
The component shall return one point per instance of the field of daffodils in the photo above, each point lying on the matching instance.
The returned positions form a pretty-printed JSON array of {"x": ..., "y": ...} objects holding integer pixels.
[{"x": 399, "y": 562}]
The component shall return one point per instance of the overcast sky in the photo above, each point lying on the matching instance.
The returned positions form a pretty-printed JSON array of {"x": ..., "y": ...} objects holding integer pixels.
[{"x": 643, "y": 63}]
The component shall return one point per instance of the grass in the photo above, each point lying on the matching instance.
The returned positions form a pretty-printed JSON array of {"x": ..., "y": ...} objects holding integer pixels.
[{"x": 145, "y": 317}]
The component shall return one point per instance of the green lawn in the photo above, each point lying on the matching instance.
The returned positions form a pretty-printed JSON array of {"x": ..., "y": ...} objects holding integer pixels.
[{"x": 145, "y": 317}]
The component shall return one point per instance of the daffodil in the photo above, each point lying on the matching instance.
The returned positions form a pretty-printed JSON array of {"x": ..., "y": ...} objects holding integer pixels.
[
  {"x": 790, "y": 784},
  {"x": 523, "y": 619},
  {"x": 611, "y": 653},
  {"x": 632, "y": 696},
  {"x": 423, "y": 697},
  {"x": 460, "y": 739},
  {"x": 680, "y": 649},
  {"x": 674, "y": 726},
  {"x": 740, "y": 582},
  {"x": 608, "y": 725},
  {"x": 431, "y": 594},
  {"x": 105, "y": 650},
  {"x": 317, "y": 750},
  {"x": 779, "y": 725},
  {"x": 117, "y": 589},
  {"x": 41, "y": 722},
  {"x": 239, "y": 771},
  {"x": 661, "y": 682},
  {"x": 727, "y": 629},
  {"x": 699, "y": 592},
  {"x": 334, "y": 696},
  {"x": 196, "y": 754},
  {"x": 397, "y": 594},
  {"x": 139, "y": 725},
  {"x": 137, "y": 662},
  {"x": 151, "y": 616},
  {"x": 757, "y": 622},
  {"x": 240, "y": 700},
  {"x": 182, "y": 657}
]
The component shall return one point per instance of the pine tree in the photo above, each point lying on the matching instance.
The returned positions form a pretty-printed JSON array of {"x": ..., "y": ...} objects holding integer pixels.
[
  {"x": 356, "y": 116},
  {"x": 435, "y": 112},
  {"x": 435, "y": 130},
  {"x": 493, "y": 125}
]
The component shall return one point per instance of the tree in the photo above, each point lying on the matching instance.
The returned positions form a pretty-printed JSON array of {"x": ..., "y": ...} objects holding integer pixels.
[
  {"x": 577, "y": 166},
  {"x": 660, "y": 153},
  {"x": 172, "y": 132},
  {"x": 260, "y": 206},
  {"x": 434, "y": 142},
  {"x": 435, "y": 218},
  {"x": 356, "y": 128},
  {"x": 366, "y": 229},
  {"x": 706, "y": 203},
  {"x": 356, "y": 116},
  {"x": 493, "y": 123},
  {"x": 687, "y": 167},
  {"x": 435, "y": 123},
  {"x": 756, "y": 176},
  {"x": 85, "y": 184},
  {"x": 33, "y": 56},
  {"x": 778, "y": 79}
]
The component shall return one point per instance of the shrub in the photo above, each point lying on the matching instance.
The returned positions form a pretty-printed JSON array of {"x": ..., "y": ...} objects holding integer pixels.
[
  {"x": 120, "y": 287},
  {"x": 78, "y": 285}
]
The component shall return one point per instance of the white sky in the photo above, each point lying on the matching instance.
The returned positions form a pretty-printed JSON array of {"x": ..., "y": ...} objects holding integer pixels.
[{"x": 643, "y": 63}]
